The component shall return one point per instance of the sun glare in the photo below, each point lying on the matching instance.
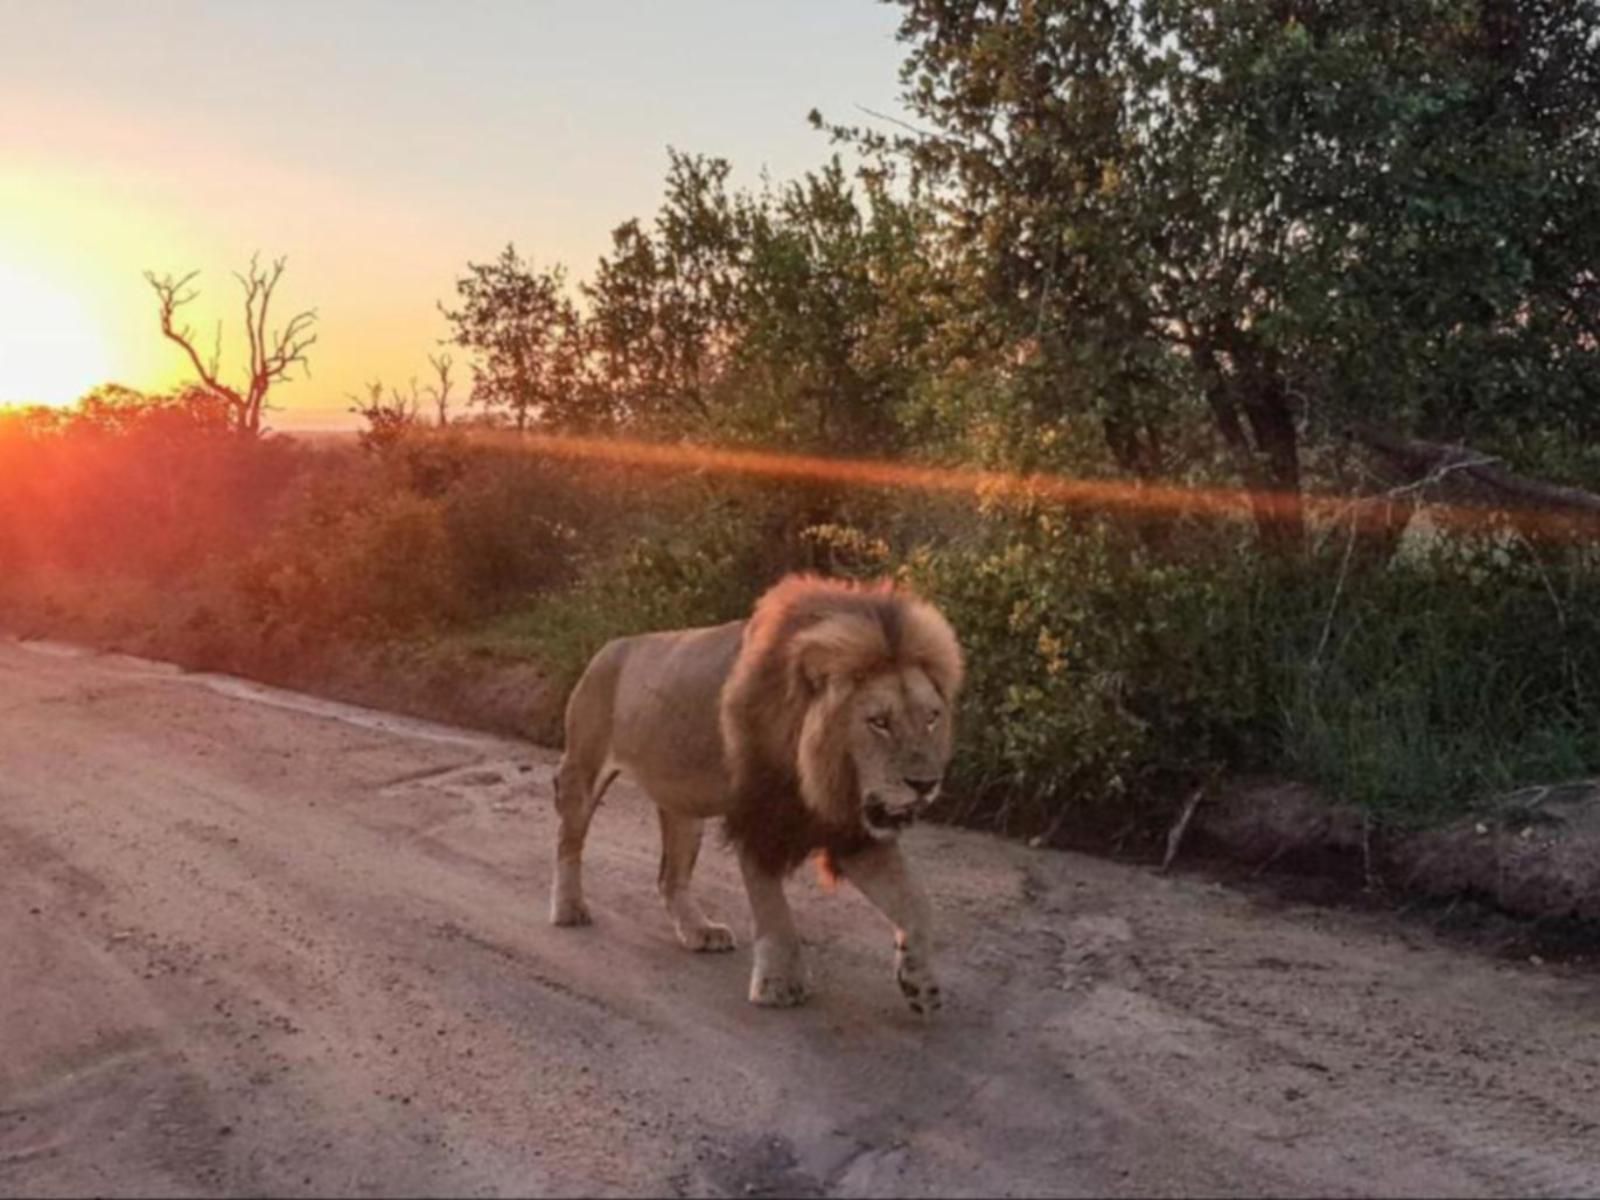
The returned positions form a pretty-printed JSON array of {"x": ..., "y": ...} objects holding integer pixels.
[{"x": 50, "y": 349}]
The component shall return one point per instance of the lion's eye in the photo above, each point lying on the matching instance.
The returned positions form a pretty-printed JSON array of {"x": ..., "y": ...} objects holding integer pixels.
[
  {"x": 933, "y": 719},
  {"x": 880, "y": 723}
]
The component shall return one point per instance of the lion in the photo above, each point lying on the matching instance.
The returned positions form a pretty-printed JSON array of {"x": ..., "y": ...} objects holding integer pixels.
[{"x": 821, "y": 725}]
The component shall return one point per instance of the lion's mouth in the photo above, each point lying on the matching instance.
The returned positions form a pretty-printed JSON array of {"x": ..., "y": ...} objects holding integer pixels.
[{"x": 880, "y": 816}]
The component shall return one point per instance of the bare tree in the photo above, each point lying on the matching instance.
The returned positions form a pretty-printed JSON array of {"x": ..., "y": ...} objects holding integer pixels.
[
  {"x": 440, "y": 392},
  {"x": 271, "y": 356}
]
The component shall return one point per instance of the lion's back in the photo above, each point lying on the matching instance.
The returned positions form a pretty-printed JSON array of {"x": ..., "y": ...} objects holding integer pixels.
[{"x": 667, "y": 692}]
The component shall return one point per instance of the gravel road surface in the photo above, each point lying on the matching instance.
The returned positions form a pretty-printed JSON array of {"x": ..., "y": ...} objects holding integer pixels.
[{"x": 257, "y": 943}]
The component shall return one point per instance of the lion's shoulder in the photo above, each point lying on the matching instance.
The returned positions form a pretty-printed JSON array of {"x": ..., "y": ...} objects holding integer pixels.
[{"x": 680, "y": 667}]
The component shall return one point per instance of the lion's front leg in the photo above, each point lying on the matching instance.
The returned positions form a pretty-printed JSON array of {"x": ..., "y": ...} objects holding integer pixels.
[
  {"x": 779, "y": 978},
  {"x": 879, "y": 873},
  {"x": 680, "y": 845}
]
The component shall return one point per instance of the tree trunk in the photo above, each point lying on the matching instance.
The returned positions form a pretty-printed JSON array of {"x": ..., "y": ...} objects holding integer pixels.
[
  {"x": 1251, "y": 409},
  {"x": 1275, "y": 493},
  {"x": 1136, "y": 448}
]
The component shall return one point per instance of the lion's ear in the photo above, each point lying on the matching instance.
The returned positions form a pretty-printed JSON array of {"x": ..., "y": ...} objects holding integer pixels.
[
  {"x": 838, "y": 649},
  {"x": 809, "y": 668},
  {"x": 823, "y": 653}
]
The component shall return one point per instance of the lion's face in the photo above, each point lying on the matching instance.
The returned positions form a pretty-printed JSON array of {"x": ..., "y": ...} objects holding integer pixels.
[
  {"x": 850, "y": 689},
  {"x": 898, "y": 739}
]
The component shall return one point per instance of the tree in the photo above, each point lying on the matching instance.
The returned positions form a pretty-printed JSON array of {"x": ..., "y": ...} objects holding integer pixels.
[
  {"x": 663, "y": 304},
  {"x": 272, "y": 355},
  {"x": 820, "y": 325},
  {"x": 439, "y": 392},
  {"x": 527, "y": 340},
  {"x": 1291, "y": 213},
  {"x": 774, "y": 312}
]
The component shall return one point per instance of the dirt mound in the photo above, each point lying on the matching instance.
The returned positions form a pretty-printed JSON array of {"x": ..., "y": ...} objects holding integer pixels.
[{"x": 1536, "y": 853}]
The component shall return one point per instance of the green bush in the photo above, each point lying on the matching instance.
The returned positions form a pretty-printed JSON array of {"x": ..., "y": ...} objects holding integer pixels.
[
  {"x": 1105, "y": 671},
  {"x": 353, "y": 557},
  {"x": 1459, "y": 672},
  {"x": 1110, "y": 663},
  {"x": 697, "y": 556},
  {"x": 1046, "y": 720}
]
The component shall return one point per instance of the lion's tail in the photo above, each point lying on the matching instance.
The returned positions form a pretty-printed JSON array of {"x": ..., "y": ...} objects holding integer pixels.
[{"x": 590, "y": 710}]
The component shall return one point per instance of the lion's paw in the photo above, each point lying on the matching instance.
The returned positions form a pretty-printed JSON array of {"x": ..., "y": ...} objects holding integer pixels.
[
  {"x": 709, "y": 938},
  {"x": 778, "y": 978},
  {"x": 778, "y": 991},
  {"x": 918, "y": 986},
  {"x": 568, "y": 910}
]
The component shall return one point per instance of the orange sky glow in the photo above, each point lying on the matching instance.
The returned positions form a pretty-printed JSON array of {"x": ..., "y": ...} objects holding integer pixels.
[{"x": 379, "y": 147}]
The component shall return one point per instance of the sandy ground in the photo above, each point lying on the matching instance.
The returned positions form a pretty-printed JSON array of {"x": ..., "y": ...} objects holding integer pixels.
[{"x": 256, "y": 943}]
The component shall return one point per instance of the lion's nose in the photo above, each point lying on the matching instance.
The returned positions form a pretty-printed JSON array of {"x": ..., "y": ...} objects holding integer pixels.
[{"x": 922, "y": 787}]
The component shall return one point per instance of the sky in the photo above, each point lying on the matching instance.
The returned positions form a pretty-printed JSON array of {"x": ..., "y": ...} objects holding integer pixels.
[{"x": 380, "y": 147}]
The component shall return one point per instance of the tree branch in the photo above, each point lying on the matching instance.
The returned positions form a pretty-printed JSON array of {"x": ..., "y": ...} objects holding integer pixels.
[
  {"x": 1435, "y": 459},
  {"x": 172, "y": 296},
  {"x": 270, "y": 358}
]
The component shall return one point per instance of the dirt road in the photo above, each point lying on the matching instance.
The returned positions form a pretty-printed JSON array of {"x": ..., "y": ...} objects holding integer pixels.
[{"x": 256, "y": 943}]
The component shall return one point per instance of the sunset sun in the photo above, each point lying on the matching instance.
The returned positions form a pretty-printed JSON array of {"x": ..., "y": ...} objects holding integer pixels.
[{"x": 51, "y": 351}]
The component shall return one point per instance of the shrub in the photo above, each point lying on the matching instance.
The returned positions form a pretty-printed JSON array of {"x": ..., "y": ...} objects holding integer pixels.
[
  {"x": 1104, "y": 672},
  {"x": 698, "y": 556},
  {"x": 352, "y": 556}
]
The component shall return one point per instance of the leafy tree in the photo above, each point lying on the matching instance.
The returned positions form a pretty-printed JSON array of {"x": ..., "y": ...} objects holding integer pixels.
[
  {"x": 663, "y": 303},
  {"x": 1293, "y": 213},
  {"x": 823, "y": 330},
  {"x": 776, "y": 313},
  {"x": 527, "y": 341}
]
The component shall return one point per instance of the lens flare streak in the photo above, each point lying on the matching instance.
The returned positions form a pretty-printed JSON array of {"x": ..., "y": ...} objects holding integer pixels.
[{"x": 1131, "y": 499}]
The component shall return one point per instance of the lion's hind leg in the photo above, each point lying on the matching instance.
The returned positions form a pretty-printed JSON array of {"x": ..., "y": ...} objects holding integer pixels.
[
  {"x": 579, "y": 787},
  {"x": 587, "y": 769},
  {"x": 680, "y": 847}
]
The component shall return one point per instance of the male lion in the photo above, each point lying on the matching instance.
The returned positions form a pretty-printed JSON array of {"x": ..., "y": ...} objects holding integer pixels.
[{"x": 820, "y": 725}]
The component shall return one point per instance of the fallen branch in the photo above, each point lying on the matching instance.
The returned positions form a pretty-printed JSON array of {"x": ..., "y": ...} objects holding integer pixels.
[
  {"x": 1436, "y": 459},
  {"x": 1181, "y": 827}
]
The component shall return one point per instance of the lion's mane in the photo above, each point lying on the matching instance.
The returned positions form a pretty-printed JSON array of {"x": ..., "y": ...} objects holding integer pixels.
[{"x": 794, "y": 790}]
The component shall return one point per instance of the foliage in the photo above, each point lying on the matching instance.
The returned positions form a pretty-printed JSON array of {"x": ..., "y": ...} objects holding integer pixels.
[
  {"x": 424, "y": 530},
  {"x": 699, "y": 577},
  {"x": 387, "y": 418},
  {"x": 662, "y": 303},
  {"x": 1296, "y": 213},
  {"x": 527, "y": 342},
  {"x": 1462, "y": 672},
  {"x": 125, "y": 481},
  {"x": 1103, "y": 673}
]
